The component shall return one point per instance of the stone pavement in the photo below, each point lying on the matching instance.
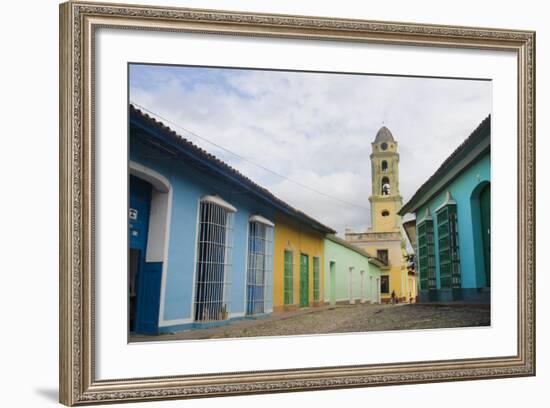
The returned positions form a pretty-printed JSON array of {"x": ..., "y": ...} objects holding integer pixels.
[{"x": 342, "y": 319}]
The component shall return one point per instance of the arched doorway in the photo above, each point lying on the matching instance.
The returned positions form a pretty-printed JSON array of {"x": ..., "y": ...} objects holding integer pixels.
[
  {"x": 481, "y": 224},
  {"x": 148, "y": 230},
  {"x": 485, "y": 215}
]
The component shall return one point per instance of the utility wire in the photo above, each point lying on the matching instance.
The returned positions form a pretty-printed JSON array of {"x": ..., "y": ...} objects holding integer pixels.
[{"x": 246, "y": 159}]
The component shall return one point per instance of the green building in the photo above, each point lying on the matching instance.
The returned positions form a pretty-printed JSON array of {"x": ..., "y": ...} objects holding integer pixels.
[{"x": 351, "y": 275}]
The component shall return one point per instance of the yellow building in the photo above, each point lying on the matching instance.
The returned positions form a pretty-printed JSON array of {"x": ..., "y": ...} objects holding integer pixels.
[
  {"x": 298, "y": 268},
  {"x": 384, "y": 239}
]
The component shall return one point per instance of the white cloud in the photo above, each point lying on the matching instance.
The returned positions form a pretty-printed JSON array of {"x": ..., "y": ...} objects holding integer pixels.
[{"x": 317, "y": 129}]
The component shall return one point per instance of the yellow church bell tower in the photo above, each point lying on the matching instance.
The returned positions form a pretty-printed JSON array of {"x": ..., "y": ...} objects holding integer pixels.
[
  {"x": 384, "y": 239},
  {"x": 385, "y": 199}
]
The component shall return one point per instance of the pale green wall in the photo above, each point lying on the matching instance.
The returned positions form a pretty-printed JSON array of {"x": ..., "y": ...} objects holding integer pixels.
[{"x": 345, "y": 258}]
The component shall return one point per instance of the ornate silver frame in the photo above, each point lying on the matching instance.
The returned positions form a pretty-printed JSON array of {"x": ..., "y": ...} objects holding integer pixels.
[{"x": 78, "y": 22}]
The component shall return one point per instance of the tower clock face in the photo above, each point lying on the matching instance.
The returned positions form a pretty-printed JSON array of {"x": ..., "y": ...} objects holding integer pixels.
[{"x": 384, "y": 146}]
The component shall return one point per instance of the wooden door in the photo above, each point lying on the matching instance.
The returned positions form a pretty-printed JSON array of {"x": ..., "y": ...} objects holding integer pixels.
[{"x": 138, "y": 228}]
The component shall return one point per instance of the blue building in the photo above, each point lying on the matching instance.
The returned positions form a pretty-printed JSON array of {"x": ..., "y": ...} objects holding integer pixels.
[
  {"x": 452, "y": 230},
  {"x": 201, "y": 235}
]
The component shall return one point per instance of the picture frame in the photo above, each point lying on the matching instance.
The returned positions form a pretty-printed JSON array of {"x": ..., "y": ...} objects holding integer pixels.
[{"x": 79, "y": 23}]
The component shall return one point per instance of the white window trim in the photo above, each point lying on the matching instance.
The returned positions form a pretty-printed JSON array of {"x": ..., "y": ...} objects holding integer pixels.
[
  {"x": 215, "y": 199},
  {"x": 268, "y": 280},
  {"x": 261, "y": 220}
]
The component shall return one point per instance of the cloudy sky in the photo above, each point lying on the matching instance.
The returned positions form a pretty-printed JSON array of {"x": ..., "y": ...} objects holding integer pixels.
[{"x": 315, "y": 129}]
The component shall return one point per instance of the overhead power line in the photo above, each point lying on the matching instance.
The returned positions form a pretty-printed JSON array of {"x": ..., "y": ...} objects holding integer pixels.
[{"x": 304, "y": 186}]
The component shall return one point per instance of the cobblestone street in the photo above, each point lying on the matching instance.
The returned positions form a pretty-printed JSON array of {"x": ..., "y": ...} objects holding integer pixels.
[{"x": 342, "y": 319}]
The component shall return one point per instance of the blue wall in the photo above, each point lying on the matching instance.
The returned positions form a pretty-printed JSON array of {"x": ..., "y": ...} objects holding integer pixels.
[
  {"x": 188, "y": 186},
  {"x": 461, "y": 189}
]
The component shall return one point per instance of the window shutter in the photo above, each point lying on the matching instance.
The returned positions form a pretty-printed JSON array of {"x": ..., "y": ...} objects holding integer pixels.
[
  {"x": 288, "y": 278},
  {"x": 449, "y": 262},
  {"x": 426, "y": 255}
]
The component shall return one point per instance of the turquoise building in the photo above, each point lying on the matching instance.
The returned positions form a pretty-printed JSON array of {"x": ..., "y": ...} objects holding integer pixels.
[
  {"x": 351, "y": 275},
  {"x": 453, "y": 224}
]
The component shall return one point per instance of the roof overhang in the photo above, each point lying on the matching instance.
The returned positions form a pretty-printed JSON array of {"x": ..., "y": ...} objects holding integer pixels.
[
  {"x": 410, "y": 230},
  {"x": 346, "y": 244},
  {"x": 167, "y": 140},
  {"x": 377, "y": 262},
  {"x": 442, "y": 179}
]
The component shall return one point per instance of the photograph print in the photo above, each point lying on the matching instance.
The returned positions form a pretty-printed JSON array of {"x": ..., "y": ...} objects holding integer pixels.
[{"x": 278, "y": 203}]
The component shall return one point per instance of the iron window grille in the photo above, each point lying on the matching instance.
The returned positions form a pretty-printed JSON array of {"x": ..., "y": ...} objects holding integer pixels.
[
  {"x": 212, "y": 300},
  {"x": 260, "y": 265}
]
